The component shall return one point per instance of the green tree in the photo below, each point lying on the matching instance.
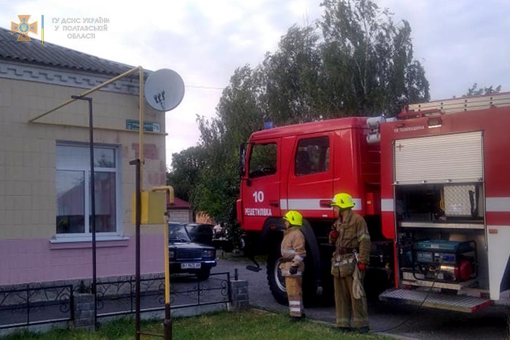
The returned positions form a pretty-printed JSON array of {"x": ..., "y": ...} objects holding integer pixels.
[
  {"x": 475, "y": 91},
  {"x": 368, "y": 60},
  {"x": 186, "y": 167},
  {"x": 290, "y": 78},
  {"x": 239, "y": 112},
  {"x": 238, "y": 117}
]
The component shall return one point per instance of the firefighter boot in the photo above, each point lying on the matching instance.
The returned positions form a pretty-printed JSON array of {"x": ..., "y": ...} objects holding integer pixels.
[
  {"x": 363, "y": 330},
  {"x": 297, "y": 318},
  {"x": 344, "y": 329}
]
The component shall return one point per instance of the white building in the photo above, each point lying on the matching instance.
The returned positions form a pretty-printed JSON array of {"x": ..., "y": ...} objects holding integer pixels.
[{"x": 45, "y": 171}]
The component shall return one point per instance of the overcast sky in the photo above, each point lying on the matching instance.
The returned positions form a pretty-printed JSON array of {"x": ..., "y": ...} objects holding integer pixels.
[{"x": 459, "y": 42}]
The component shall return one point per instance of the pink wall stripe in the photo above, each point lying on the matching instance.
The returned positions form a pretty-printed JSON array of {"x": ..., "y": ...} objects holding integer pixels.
[{"x": 36, "y": 260}]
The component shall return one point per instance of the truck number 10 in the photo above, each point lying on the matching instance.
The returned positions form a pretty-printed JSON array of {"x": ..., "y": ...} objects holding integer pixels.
[{"x": 258, "y": 196}]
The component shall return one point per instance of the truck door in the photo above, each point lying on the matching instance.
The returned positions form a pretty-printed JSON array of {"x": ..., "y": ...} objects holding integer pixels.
[
  {"x": 262, "y": 188},
  {"x": 310, "y": 181}
]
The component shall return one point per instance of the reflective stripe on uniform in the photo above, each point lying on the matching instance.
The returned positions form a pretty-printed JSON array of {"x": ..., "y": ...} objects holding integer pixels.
[
  {"x": 360, "y": 233},
  {"x": 347, "y": 261},
  {"x": 294, "y": 303},
  {"x": 299, "y": 258},
  {"x": 364, "y": 237},
  {"x": 295, "y": 309},
  {"x": 288, "y": 251},
  {"x": 286, "y": 272}
]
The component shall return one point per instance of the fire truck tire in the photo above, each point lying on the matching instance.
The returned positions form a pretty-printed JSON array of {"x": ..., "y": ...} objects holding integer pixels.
[
  {"x": 310, "y": 296},
  {"x": 275, "y": 279}
]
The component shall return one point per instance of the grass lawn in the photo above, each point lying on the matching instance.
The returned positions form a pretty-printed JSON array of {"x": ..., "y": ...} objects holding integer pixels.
[{"x": 249, "y": 325}]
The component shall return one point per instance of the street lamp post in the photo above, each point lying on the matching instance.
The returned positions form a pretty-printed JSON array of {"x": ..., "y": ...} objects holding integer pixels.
[{"x": 93, "y": 203}]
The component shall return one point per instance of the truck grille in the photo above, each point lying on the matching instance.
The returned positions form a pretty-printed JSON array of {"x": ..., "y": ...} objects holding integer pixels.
[{"x": 187, "y": 254}]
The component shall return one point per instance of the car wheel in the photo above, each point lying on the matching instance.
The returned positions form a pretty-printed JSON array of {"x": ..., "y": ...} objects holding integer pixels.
[
  {"x": 275, "y": 279},
  {"x": 203, "y": 274}
]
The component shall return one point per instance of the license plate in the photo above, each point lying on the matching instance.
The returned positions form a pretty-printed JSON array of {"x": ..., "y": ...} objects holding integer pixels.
[{"x": 190, "y": 265}]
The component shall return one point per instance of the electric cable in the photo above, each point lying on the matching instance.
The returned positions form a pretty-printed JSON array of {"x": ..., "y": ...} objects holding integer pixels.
[
  {"x": 205, "y": 87},
  {"x": 413, "y": 315}
]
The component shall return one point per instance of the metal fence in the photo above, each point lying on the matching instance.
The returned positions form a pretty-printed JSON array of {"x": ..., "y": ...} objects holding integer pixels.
[
  {"x": 119, "y": 297},
  {"x": 43, "y": 304},
  {"x": 31, "y": 305}
]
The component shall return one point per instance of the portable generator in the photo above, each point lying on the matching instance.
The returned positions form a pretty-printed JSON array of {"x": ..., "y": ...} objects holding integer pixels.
[{"x": 446, "y": 261}]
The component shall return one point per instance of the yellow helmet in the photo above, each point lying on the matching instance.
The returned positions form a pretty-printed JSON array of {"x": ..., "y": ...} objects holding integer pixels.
[
  {"x": 294, "y": 218},
  {"x": 343, "y": 201}
]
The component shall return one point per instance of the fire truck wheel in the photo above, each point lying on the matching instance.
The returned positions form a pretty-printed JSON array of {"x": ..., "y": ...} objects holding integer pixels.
[
  {"x": 275, "y": 279},
  {"x": 310, "y": 297}
]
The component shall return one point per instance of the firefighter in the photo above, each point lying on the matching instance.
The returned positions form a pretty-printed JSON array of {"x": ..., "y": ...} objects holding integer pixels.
[
  {"x": 292, "y": 264},
  {"x": 349, "y": 234}
]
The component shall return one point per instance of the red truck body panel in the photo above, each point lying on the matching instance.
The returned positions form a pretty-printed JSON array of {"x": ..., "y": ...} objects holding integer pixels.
[{"x": 493, "y": 123}]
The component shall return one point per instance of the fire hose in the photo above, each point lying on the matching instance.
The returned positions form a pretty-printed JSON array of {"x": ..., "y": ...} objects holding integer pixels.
[
  {"x": 413, "y": 315},
  {"x": 357, "y": 283}
]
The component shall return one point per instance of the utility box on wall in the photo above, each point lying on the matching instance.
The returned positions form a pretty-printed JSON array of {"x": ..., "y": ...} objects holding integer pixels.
[{"x": 153, "y": 207}]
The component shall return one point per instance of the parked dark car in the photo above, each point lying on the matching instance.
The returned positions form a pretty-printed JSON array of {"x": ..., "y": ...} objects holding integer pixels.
[
  {"x": 201, "y": 232},
  {"x": 187, "y": 256}
]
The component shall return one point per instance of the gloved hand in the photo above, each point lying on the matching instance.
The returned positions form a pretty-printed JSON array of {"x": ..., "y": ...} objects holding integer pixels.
[
  {"x": 362, "y": 267},
  {"x": 293, "y": 270},
  {"x": 334, "y": 234}
]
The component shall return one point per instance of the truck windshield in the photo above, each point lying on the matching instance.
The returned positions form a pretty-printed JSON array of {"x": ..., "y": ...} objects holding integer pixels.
[{"x": 262, "y": 160}]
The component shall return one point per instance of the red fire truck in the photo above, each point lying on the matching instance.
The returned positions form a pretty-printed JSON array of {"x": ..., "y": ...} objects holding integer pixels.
[{"x": 433, "y": 185}]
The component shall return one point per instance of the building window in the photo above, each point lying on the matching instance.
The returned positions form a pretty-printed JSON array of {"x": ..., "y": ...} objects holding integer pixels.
[{"x": 74, "y": 190}]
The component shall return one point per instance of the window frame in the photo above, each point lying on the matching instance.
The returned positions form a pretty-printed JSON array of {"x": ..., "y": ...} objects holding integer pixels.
[
  {"x": 300, "y": 148},
  {"x": 117, "y": 170},
  {"x": 260, "y": 173}
]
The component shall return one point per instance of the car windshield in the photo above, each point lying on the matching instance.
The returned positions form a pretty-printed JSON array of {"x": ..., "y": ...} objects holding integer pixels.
[{"x": 177, "y": 233}]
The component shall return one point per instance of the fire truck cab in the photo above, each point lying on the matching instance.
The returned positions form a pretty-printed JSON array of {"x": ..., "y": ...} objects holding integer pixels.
[{"x": 301, "y": 167}]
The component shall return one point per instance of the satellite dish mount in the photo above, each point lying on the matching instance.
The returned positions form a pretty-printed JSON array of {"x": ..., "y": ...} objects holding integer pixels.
[{"x": 164, "y": 90}]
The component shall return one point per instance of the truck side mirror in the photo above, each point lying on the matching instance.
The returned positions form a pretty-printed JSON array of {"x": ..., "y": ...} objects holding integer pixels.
[{"x": 242, "y": 160}]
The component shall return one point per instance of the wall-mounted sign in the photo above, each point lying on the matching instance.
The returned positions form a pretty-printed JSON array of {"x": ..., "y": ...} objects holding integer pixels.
[{"x": 134, "y": 125}]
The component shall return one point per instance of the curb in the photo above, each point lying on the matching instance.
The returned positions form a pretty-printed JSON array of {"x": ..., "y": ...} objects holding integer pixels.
[
  {"x": 328, "y": 324},
  {"x": 395, "y": 336}
]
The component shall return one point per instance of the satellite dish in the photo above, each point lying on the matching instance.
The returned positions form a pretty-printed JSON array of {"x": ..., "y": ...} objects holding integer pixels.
[{"x": 164, "y": 90}]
